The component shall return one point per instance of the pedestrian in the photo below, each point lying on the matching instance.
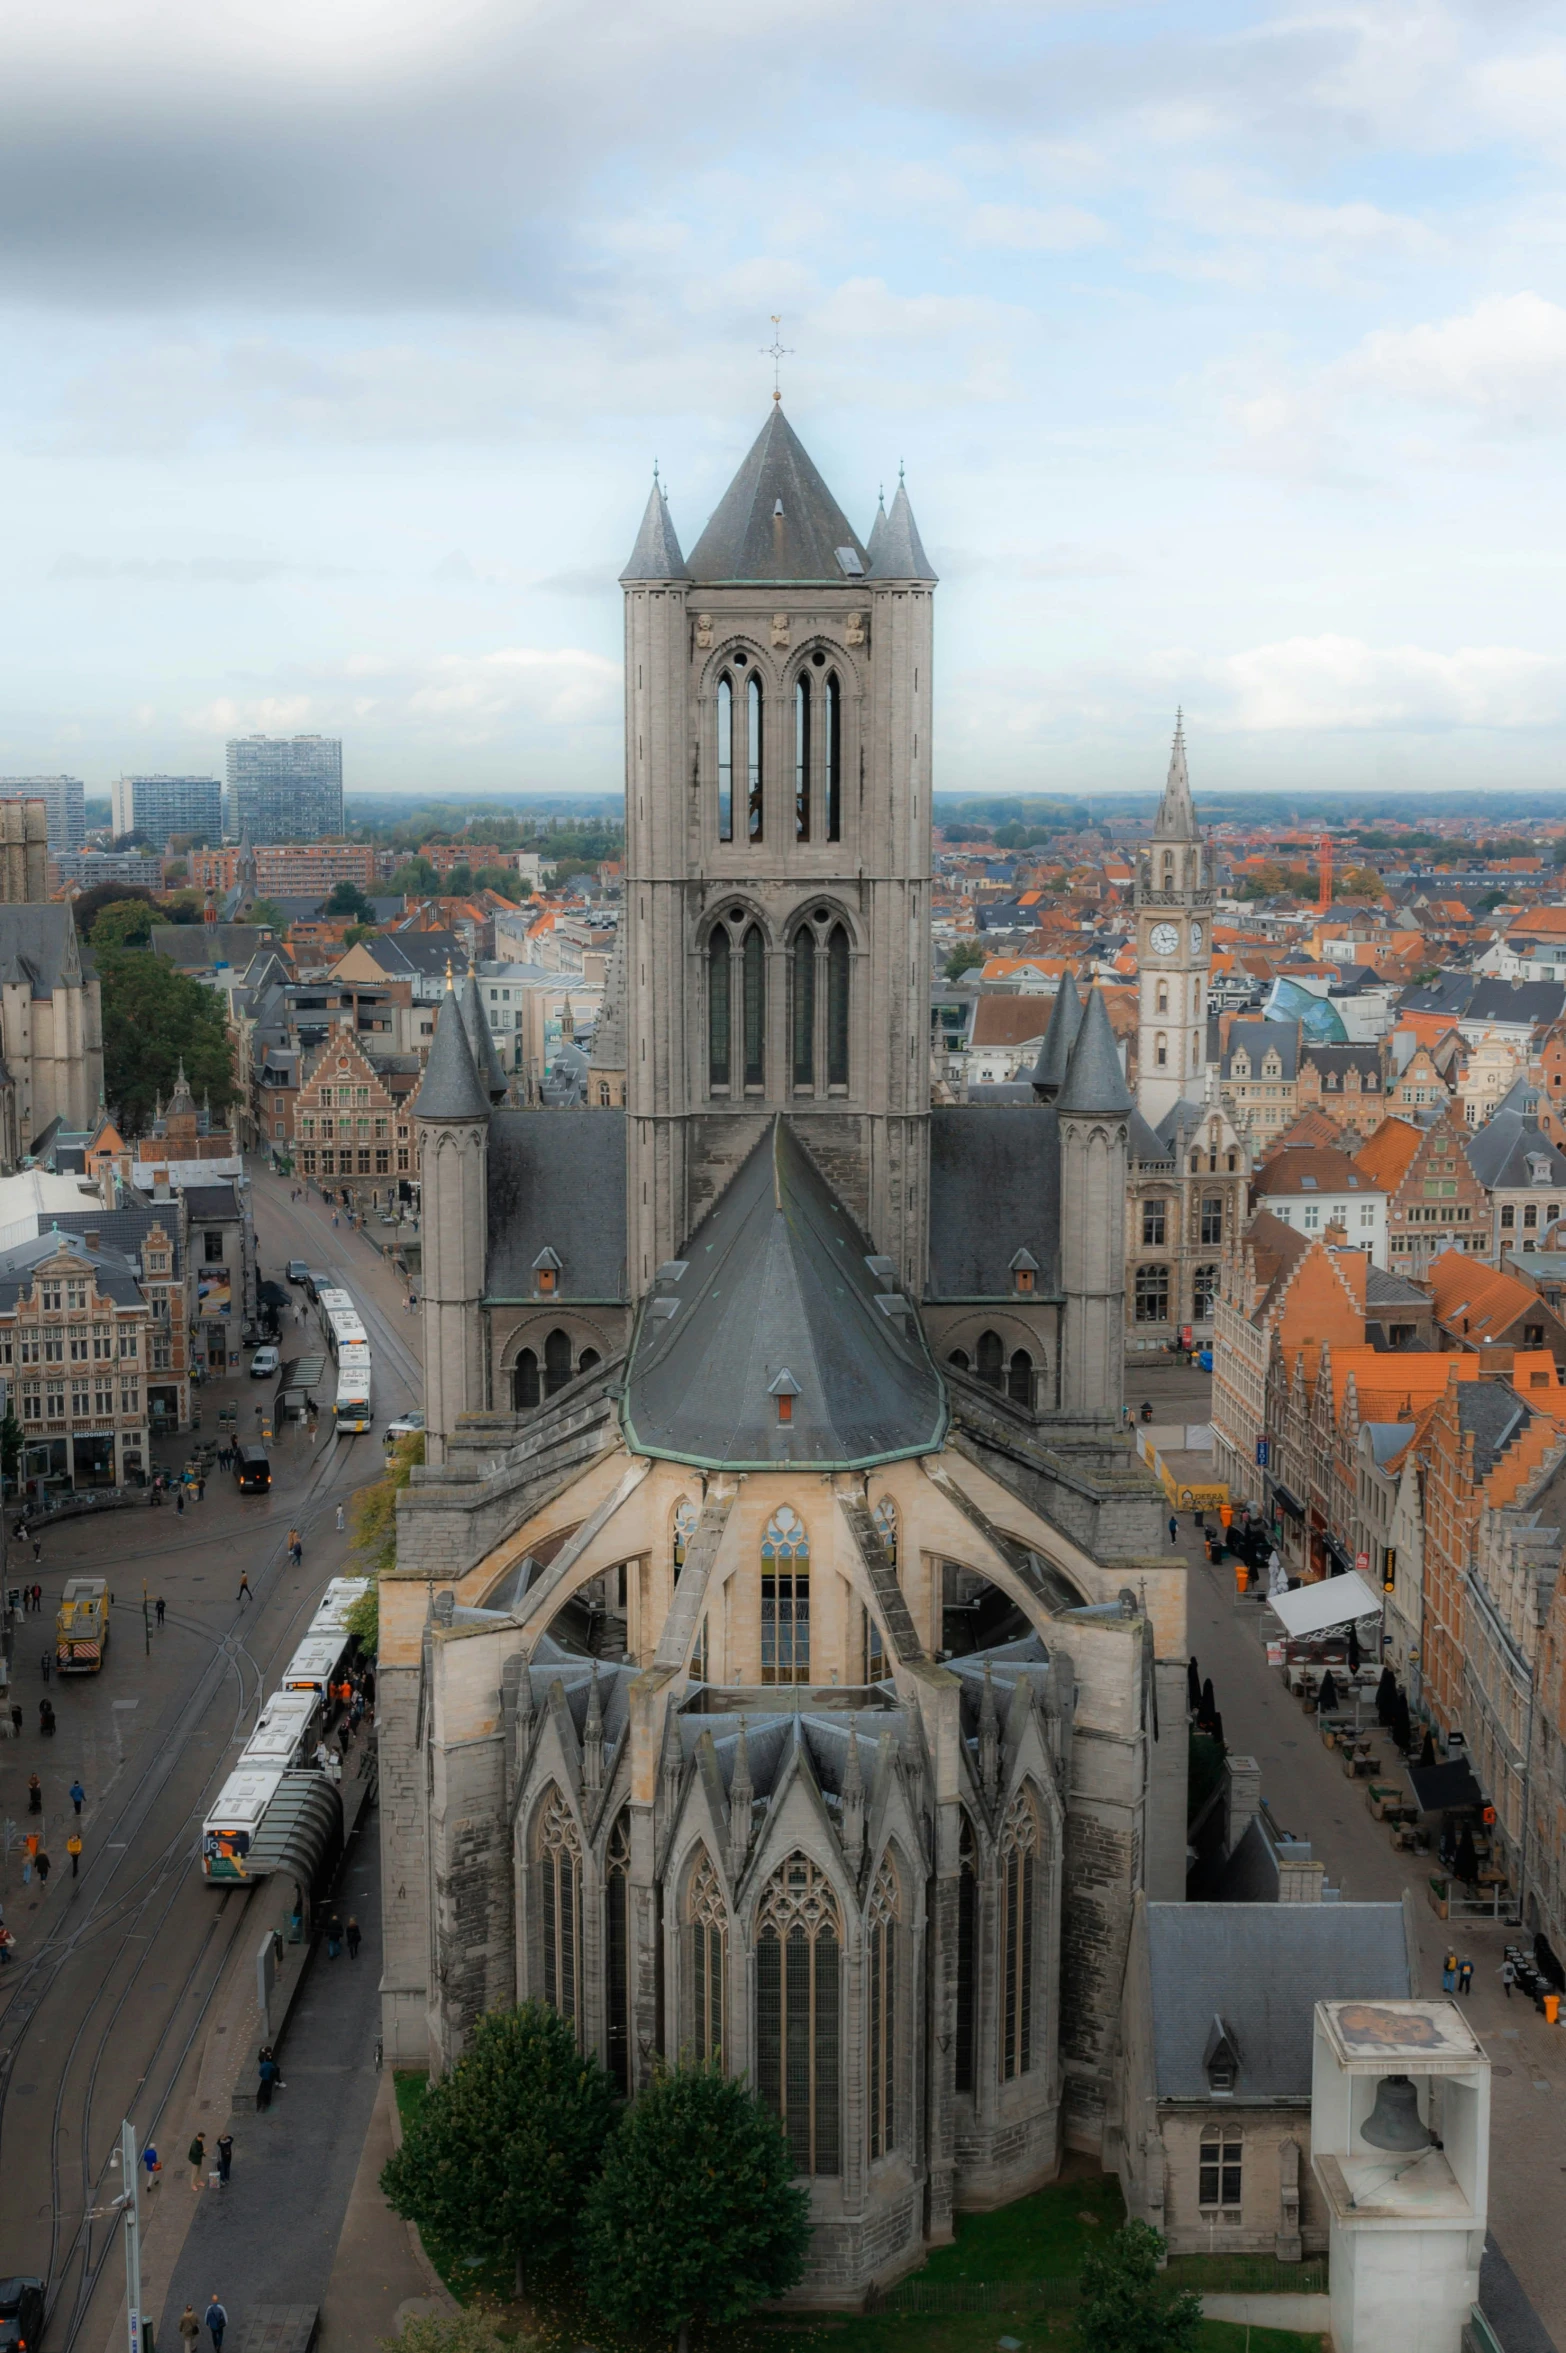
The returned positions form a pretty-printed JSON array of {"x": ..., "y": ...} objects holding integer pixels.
[
  {"x": 37, "y": 1589},
  {"x": 46, "y": 1719},
  {"x": 225, "y": 2156},
  {"x": 1508, "y": 1977},
  {"x": 244, "y": 1587},
  {"x": 334, "y": 1937},
  {"x": 154, "y": 2165},
  {"x": 78, "y": 1795},
  {"x": 189, "y": 2328},
  {"x": 1174, "y": 1529},
  {"x": 44, "y": 1867},
  {"x": 355, "y": 1935},
  {"x": 197, "y": 2153},
  {"x": 46, "y": 1664},
  {"x": 16, "y": 1718},
  {"x": 1465, "y": 1977},
  {"x": 201, "y": 1488},
  {"x": 269, "y": 2078},
  {"x": 34, "y": 1794},
  {"x": 160, "y": 1609},
  {"x": 7, "y": 1940},
  {"x": 339, "y": 1519},
  {"x": 179, "y": 1500},
  {"x": 73, "y": 1847},
  {"x": 37, "y": 1555},
  {"x": 1449, "y": 1974},
  {"x": 217, "y": 2321}
]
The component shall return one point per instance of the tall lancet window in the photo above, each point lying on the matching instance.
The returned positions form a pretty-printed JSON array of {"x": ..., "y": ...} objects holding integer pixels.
[
  {"x": 804, "y": 1007},
  {"x": 799, "y": 1956},
  {"x": 718, "y": 1008},
  {"x": 1019, "y": 1886},
  {"x": 881, "y": 2020},
  {"x": 755, "y": 983},
  {"x": 725, "y": 758},
  {"x": 802, "y": 759},
  {"x": 560, "y": 1906},
  {"x": 709, "y": 1952},
  {"x": 967, "y": 1958},
  {"x": 837, "y": 1008},
  {"x": 834, "y": 758},
  {"x": 617, "y": 1955},
  {"x": 753, "y": 757},
  {"x": 785, "y": 1599}
]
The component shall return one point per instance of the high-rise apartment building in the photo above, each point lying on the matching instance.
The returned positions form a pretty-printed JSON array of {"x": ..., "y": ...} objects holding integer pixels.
[
  {"x": 284, "y": 788},
  {"x": 161, "y": 806},
  {"x": 65, "y": 798}
]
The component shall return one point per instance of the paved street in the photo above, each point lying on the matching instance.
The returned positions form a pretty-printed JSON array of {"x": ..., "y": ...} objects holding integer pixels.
[{"x": 121, "y": 1973}]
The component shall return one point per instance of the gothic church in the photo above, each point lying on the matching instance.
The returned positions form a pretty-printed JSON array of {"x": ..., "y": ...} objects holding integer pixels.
[{"x": 780, "y": 1664}]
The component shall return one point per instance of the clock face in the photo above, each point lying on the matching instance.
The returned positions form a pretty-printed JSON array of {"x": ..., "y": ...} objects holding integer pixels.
[
  {"x": 1196, "y": 939},
  {"x": 1163, "y": 939}
]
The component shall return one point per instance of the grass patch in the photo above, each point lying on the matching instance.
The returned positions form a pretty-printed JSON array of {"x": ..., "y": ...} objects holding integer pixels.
[
  {"x": 1042, "y": 2237},
  {"x": 1233, "y": 2336}
]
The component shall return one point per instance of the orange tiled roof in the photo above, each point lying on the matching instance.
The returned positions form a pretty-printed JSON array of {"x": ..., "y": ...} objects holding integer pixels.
[
  {"x": 1385, "y": 1157},
  {"x": 1481, "y": 1301}
]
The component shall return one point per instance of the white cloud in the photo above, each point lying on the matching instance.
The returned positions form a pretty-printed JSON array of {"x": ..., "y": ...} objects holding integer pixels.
[
  {"x": 555, "y": 687},
  {"x": 1506, "y": 359},
  {"x": 1319, "y": 683},
  {"x": 269, "y": 714},
  {"x": 1025, "y": 228}
]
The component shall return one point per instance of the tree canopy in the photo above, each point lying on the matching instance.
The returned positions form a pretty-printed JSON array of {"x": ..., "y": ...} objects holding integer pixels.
[
  {"x": 348, "y": 899},
  {"x": 696, "y": 2215},
  {"x": 964, "y": 958},
  {"x": 154, "y": 1017},
  {"x": 498, "y": 2161},
  {"x": 416, "y": 879},
  {"x": 269, "y": 913},
  {"x": 1126, "y": 2306},
  {"x": 374, "y": 1511},
  {"x": 124, "y": 923}
]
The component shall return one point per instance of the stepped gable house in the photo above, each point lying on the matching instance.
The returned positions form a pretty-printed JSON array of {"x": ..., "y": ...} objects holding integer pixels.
[{"x": 780, "y": 1662}]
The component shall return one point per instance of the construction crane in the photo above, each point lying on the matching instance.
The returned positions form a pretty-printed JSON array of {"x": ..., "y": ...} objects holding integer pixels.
[{"x": 1324, "y": 870}]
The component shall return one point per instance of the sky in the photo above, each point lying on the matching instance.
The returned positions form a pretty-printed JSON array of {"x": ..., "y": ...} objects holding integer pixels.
[{"x": 1224, "y": 347}]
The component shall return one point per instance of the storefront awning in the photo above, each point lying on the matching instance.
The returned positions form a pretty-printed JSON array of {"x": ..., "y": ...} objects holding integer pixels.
[
  {"x": 1289, "y": 1501},
  {"x": 1440, "y": 1787},
  {"x": 1311, "y": 1609}
]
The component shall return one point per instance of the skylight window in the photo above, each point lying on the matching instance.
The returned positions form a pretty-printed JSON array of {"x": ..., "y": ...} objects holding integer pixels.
[{"x": 848, "y": 557}]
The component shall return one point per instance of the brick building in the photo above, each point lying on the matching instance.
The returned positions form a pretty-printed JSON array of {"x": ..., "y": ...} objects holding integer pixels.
[
  {"x": 352, "y": 1135},
  {"x": 1435, "y": 1202}
]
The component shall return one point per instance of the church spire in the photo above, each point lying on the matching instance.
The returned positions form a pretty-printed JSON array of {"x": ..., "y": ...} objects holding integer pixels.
[
  {"x": 656, "y": 555},
  {"x": 1176, "y": 820}
]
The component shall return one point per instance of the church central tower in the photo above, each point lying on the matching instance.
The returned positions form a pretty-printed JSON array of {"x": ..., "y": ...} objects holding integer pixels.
[
  {"x": 1174, "y": 939},
  {"x": 777, "y": 894}
]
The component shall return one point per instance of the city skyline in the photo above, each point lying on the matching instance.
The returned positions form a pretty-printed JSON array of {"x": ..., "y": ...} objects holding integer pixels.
[{"x": 1225, "y": 362}]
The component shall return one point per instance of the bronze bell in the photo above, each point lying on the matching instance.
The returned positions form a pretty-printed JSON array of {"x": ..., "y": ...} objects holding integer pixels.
[{"x": 1393, "y": 2123}]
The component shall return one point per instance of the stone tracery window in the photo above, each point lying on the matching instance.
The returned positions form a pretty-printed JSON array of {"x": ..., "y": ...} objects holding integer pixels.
[
  {"x": 1019, "y": 1889},
  {"x": 684, "y": 1528},
  {"x": 725, "y": 758},
  {"x": 718, "y": 1008},
  {"x": 785, "y": 1599},
  {"x": 799, "y": 1953},
  {"x": 885, "y": 1516},
  {"x": 560, "y": 1906},
  {"x": 881, "y": 2009},
  {"x": 967, "y": 1956},
  {"x": 617, "y": 1952},
  {"x": 804, "y": 1006},
  {"x": 708, "y": 1928}
]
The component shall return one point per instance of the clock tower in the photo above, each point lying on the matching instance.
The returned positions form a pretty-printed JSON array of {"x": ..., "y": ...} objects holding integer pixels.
[{"x": 1174, "y": 937}]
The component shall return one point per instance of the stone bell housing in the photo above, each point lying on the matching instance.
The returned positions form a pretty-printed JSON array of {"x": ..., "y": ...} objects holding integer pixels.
[{"x": 780, "y": 1662}]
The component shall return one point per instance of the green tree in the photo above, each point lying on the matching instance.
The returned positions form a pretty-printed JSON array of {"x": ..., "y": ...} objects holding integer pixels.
[
  {"x": 10, "y": 1445},
  {"x": 1126, "y": 2307},
  {"x": 503, "y": 879},
  {"x": 269, "y": 913},
  {"x": 154, "y": 1017},
  {"x": 348, "y": 899},
  {"x": 415, "y": 880},
  {"x": 964, "y": 958},
  {"x": 696, "y": 2215},
  {"x": 499, "y": 2159},
  {"x": 91, "y": 904},
  {"x": 124, "y": 923}
]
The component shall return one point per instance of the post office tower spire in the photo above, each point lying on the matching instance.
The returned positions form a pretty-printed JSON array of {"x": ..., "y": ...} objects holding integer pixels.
[
  {"x": 1174, "y": 938},
  {"x": 777, "y": 743}
]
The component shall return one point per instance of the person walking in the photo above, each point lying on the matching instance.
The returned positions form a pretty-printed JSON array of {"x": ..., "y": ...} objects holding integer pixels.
[
  {"x": 37, "y": 1589},
  {"x": 7, "y": 1940},
  {"x": 1465, "y": 1977},
  {"x": 1174, "y": 1529},
  {"x": 78, "y": 1796},
  {"x": 197, "y": 2154},
  {"x": 339, "y": 1519},
  {"x": 46, "y": 1719},
  {"x": 189, "y": 2329},
  {"x": 73, "y": 1847},
  {"x": 43, "y": 1866},
  {"x": 160, "y": 1609},
  {"x": 46, "y": 1663},
  {"x": 154, "y": 2167},
  {"x": 225, "y": 2156},
  {"x": 355, "y": 1935},
  {"x": 1449, "y": 1973},
  {"x": 268, "y": 2079},
  {"x": 37, "y": 1555},
  {"x": 16, "y": 1718},
  {"x": 179, "y": 1500},
  {"x": 201, "y": 1487},
  {"x": 1508, "y": 1977},
  {"x": 334, "y": 1937},
  {"x": 244, "y": 1587},
  {"x": 34, "y": 1794},
  {"x": 217, "y": 2321}
]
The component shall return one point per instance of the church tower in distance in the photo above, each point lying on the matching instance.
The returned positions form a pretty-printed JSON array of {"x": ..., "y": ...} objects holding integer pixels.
[
  {"x": 1174, "y": 934},
  {"x": 777, "y": 868}
]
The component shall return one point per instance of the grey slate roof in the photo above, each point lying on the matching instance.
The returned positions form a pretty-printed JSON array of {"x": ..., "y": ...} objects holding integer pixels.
[
  {"x": 425, "y": 953},
  {"x": 196, "y": 947},
  {"x": 211, "y": 1201},
  {"x": 656, "y": 555},
  {"x": 749, "y": 539},
  {"x": 1516, "y": 1001},
  {"x": 1448, "y": 993},
  {"x": 41, "y": 941},
  {"x": 1049, "y": 1070},
  {"x": 557, "y": 1182},
  {"x": 1387, "y": 1439},
  {"x": 1384, "y": 1290},
  {"x": 1499, "y": 1152},
  {"x": 1262, "y": 1968},
  {"x": 1495, "y": 1416},
  {"x": 452, "y": 1088},
  {"x": 1182, "y": 1118},
  {"x": 899, "y": 552},
  {"x": 114, "y": 1275},
  {"x": 481, "y": 1043},
  {"x": 1340, "y": 1060},
  {"x": 123, "y": 1231},
  {"x": 1176, "y": 819},
  {"x": 1094, "y": 1080},
  {"x": 1148, "y": 1146},
  {"x": 1263, "y": 1037},
  {"x": 775, "y": 1283},
  {"x": 994, "y": 1190},
  {"x": 609, "y": 1047}
]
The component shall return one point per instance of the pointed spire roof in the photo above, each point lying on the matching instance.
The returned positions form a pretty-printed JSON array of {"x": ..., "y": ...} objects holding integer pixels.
[
  {"x": 451, "y": 1087},
  {"x": 481, "y": 1043},
  {"x": 1094, "y": 1079},
  {"x": 900, "y": 553},
  {"x": 1176, "y": 819},
  {"x": 608, "y": 1052},
  {"x": 877, "y": 529},
  {"x": 656, "y": 555},
  {"x": 777, "y": 520},
  {"x": 1055, "y": 1046}
]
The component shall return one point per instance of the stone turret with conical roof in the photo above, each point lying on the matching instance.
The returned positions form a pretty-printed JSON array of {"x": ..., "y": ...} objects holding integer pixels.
[
  {"x": 1055, "y": 1046},
  {"x": 1093, "y": 1110},
  {"x": 899, "y": 553},
  {"x": 452, "y": 1113},
  {"x": 656, "y": 555},
  {"x": 481, "y": 1043}
]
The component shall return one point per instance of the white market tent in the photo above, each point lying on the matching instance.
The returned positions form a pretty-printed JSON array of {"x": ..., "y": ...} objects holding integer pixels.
[{"x": 1311, "y": 1609}]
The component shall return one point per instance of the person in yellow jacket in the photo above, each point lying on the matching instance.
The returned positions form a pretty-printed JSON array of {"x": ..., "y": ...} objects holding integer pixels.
[{"x": 73, "y": 1847}]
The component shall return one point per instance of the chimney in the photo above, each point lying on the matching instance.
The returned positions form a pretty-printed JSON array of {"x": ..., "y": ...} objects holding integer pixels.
[{"x": 1497, "y": 1360}]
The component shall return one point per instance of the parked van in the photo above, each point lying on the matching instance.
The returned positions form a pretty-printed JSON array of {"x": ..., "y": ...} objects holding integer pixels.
[{"x": 252, "y": 1469}]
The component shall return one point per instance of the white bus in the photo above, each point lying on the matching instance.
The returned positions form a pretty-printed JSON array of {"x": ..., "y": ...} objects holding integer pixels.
[{"x": 352, "y": 1406}]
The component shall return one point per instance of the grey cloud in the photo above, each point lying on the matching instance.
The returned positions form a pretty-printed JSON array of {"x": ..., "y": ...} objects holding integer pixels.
[
  {"x": 1060, "y": 562},
  {"x": 183, "y": 571}
]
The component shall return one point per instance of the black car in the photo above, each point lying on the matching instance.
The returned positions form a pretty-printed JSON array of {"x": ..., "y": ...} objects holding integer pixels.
[
  {"x": 297, "y": 1271},
  {"x": 21, "y": 2314}
]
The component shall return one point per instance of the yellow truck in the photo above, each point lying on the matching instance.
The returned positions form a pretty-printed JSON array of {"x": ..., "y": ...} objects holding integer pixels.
[{"x": 81, "y": 1630}]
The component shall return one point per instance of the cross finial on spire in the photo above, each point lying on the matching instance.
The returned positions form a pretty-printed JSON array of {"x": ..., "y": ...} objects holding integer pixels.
[{"x": 777, "y": 351}]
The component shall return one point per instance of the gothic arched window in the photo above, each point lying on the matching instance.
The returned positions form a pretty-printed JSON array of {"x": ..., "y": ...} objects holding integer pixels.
[
  {"x": 885, "y": 1517},
  {"x": 586, "y": 1361},
  {"x": 560, "y": 1906},
  {"x": 837, "y": 1007},
  {"x": 718, "y": 1008},
  {"x": 617, "y": 1952},
  {"x": 959, "y": 1357},
  {"x": 708, "y": 1944},
  {"x": 754, "y": 966},
  {"x": 804, "y": 1005},
  {"x": 834, "y": 757},
  {"x": 967, "y": 1956},
  {"x": 524, "y": 1382},
  {"x": 802, "y": 759},
  {"x": 799, "y": 1953},
  {"x": 1019, "y": 1378},
  {"x": 683, "y": 1528},
  {"x": 785, "y": 1599},
  {"x": 753, "y": 758},
  {"x": 557, "y": 1361},
  {"x": 1163, "y": 996},
  {"x": 725, "y": 758},
  {"x": 881, "y": 2019},
  {"x": 1019, "y": 1891},
  {"x": 992, "y": 1358}
]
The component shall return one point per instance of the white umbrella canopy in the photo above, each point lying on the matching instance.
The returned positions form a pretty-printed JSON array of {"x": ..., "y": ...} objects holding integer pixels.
[{"x": 1335, "y": 1601}]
